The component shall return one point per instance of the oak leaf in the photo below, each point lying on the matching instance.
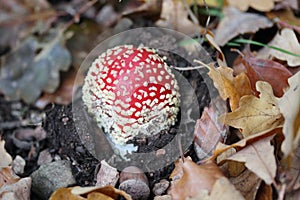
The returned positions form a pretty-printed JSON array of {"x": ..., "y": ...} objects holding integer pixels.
[
  {"x": 264, "y": 6},
  {"x": 92, "y": 193},
  {"x": 255, "y": 114},
  {"x": 229, "y": 86},
  {"x": 236, "y": 22},
  {"x": 267, "y": 70},
  {"x": 287, "y": 40},
  {"x": 222, "y": 189},
  {"x": 289, "y": 106},
  {"x": 192, "y": 178},
  {"x": 259, "y": 158}
]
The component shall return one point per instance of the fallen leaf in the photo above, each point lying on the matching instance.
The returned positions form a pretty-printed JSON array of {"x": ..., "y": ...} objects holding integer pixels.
[
  {"x": 293, "y": 173},
  {"x": 149, "y": 9},
  {"x": 265, "y": 192},
  {"x": 289, "y": 106},
  {"x": 285, "y": 39},
  {"x": 34, "y": 67},
  {"x": 175, "y": 16},
  {"x": 222, "y": 189},
  {"x": 255, "y": 114},
  {"x": 208, "y": 131},
  {"x": 269, "y": 71},
  {"x": 229, "y": 86},
  {"x": 6, "y": 158},
  {"x": 194, "y": 178},
  {"x": 236, "y": 22},
  {"x": 285, "y": 18},
  {"x": 7, "y": 176},
  {"x": 247, "y": 183},
  {"x": 92, "y": 193},
  {"x": 259, "y": 158},
  {"x": 246, "y": 141},
  {"x": 264, "y": 6}
]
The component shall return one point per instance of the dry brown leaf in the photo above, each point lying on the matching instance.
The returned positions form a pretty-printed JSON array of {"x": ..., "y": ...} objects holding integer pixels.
[
  {"x": 264, "y": 6},
  {"x": 247, "y": 183},
  {"x": 255, "y": 114},
  {"x": 208, "y": 131},
  {"x": 285, "y": 18},
  {"x": 287, "y": 40},
  {"x": 267, "y": 70},
  {"x": 175, "y": 16},
  {"x": 93, "y": 192},
  {"x": 5, "y": 157},
  {"x": 7, "y": 176},
  {"x": 229, "y": 86},
  {"x": 246, "y": 141},
  {"x": 293, "y": 174},
  {"x": 236, "y": 22},
  {"x": 222, "y": 189},
  {"x": 265, "y": 192},
  {"x": 259, "y": 158},
  {"x": 289, "y": 106},
  {"x": 194, "y": 178}
]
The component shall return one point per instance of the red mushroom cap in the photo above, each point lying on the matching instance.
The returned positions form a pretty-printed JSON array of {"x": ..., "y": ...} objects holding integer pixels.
[{"x": 131, "y": 91}]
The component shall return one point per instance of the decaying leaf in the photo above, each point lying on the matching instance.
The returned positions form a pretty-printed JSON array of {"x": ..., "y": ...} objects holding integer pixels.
[
  {"x": 34, "y": 67},
  {"x": 289, "y": 106},
  {"x": 264, "y": 6},
  {"x": 194, "y": 178},
  {"x": 255, "y": 114},
  {"x": 247, "y": 183},
  {"x": 6, "y": 159},
  {"x": 269, "y": 71},
  {"x": 208, "y": 131},
  {"x": 259, "y": 158},
  {"x": 89, "y": 193},
  {"x": 246, "y": 141},
  {"x": 229, "y": 86},
  {"x": 222, "y": 189},
  {"x": 7, "y": 176},
  {"x": 285, "y": 39},
  {"x": 236, "y": 22},
  {"x": 175, "y": 16},
  {"x": 293, "y": 174}
]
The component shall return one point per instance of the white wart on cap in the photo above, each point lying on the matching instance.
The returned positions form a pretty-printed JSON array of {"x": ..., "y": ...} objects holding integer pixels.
[{"x": 131, "y": 91}]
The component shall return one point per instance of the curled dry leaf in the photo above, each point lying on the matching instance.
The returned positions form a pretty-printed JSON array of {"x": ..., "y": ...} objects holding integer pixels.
[
  {"x": 236, "y": 22},
  {"x": 221, "y": 148},
  {"x": 255, "y": 114},
  {"x": 285, "y": 39},
  {"x": 229, "y": 86},
  {"x": 222, "y": 189},
  {"x": 89, "y": 193},
  {"x": 269, "y": 71},
  {"x": 259, "y": 158},
  {"x": 194, "y": 178},
  {"x": 208, "y": 131},
  {"x": 289, "y": 106},
  {"x": 6, "y": 159},
  {"x": 264, "y": 6},
  {"x": 175, "y": 16}
]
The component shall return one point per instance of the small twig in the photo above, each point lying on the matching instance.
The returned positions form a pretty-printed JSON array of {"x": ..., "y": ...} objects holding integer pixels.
[{"x": 187, "y": 68}]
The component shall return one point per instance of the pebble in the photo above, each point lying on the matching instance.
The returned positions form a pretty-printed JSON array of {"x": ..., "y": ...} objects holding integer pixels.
[
  {"x": 50, "y": 177},
  {"x": 18, "y": 165},
  {"x": 161, "y": 187}
]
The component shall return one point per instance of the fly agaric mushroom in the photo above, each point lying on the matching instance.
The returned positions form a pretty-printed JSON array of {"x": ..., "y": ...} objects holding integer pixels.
[{"x": 131, "y": 91}]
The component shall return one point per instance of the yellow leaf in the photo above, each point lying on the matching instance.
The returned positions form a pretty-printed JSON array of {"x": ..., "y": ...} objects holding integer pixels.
[
  {"x": 229, "y": 86},
  {"x": 289, "y": 105},
  {"x": 255, "y": 114}
]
